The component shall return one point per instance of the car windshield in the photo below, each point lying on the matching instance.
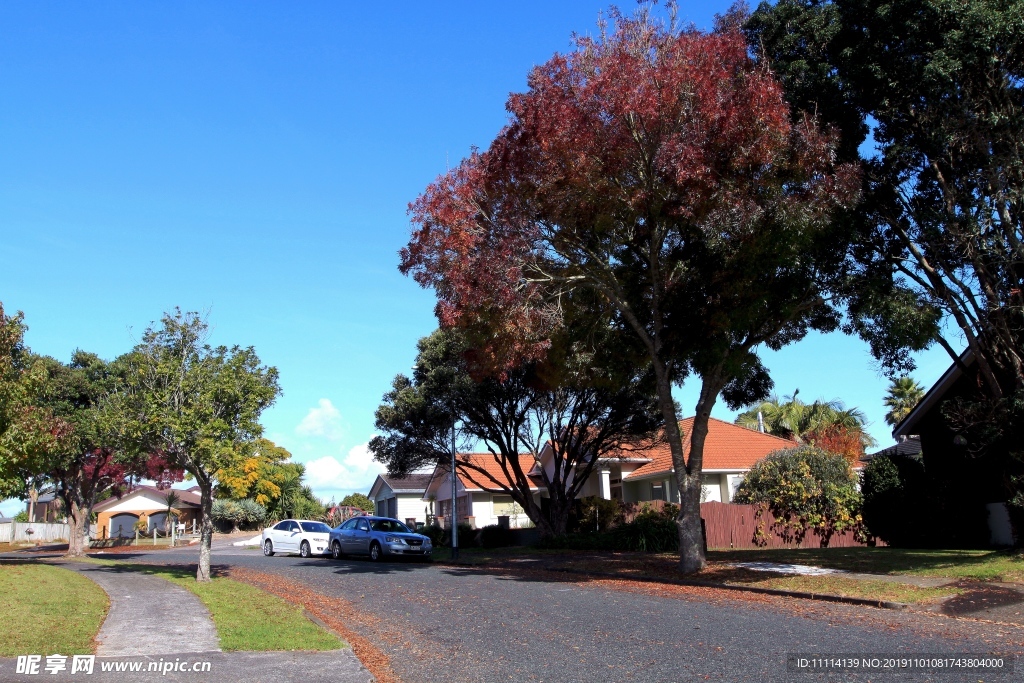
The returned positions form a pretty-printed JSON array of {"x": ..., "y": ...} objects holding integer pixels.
[
  {"x": 316, "y": 527},
  {"x": 389, "y": 525}
]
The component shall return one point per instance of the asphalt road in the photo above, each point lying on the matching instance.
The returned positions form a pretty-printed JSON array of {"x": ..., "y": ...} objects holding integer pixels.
[{"x": 450, "y": 624}]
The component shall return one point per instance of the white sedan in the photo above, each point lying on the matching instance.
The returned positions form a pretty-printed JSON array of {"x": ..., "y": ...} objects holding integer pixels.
[{"x": 301, "y": 536}]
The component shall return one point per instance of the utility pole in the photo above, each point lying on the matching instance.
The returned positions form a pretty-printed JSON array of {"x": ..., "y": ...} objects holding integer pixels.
[{"x": 455, "y": 515}]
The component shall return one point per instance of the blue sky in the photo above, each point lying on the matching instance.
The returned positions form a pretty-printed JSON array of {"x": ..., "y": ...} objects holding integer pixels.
[{"x": 255, "y": 162}]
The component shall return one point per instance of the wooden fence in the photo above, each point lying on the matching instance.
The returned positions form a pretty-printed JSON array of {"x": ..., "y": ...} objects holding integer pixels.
[
  {"x": 729, "y": 525},
  {"x": 733, "y": 526}
]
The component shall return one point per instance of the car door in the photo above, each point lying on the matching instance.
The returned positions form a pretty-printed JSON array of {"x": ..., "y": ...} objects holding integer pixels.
[
  {"x": 275, "y": 533},
  {"x": 290, "y": 537},
  {"x": 361, "y": 537},
  {"x": 345, "y": 535}
]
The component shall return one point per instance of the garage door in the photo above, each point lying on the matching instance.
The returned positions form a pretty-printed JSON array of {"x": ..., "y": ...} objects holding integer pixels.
[{"x": 123, "y": 526}]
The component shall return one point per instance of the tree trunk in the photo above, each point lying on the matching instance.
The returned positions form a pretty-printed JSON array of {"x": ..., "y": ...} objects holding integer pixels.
[
  {"x": 691, "y": 537},
  {"x": 78, "y": 523},
  {"x": 32, "y": 496},
  {"x": 558, "y": 516},
  {"x": 206, "y": 526}
]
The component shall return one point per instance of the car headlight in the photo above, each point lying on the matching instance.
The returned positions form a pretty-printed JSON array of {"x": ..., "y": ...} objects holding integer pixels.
[{"x": 394, "y": 539}]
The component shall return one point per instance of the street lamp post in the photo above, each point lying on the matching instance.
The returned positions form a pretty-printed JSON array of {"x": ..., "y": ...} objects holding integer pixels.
[{"x": 455, "y": 523}]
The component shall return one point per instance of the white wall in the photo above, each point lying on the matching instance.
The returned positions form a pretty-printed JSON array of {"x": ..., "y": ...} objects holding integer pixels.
[
  {"x": 137, "y": 503},
  {"x": 410, "y": 505}
]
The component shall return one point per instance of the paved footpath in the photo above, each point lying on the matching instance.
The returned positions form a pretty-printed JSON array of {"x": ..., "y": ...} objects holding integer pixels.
[
  {"x": 155, "y": 623},
  {"x": 148, "y": 615}
]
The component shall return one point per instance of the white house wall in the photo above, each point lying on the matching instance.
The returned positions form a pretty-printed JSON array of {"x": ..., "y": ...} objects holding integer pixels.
[
  {"x": 410, "y": 506},
  {"x": 138, "y": 503}
]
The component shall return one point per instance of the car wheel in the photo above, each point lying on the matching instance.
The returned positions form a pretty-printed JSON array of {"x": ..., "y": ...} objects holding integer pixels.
[
  {"x": 336, "y": 551},
  {"x": 304, "y": 549},
  {"x": 268, "y": 548},
  {"x": 375, "y": 551}
]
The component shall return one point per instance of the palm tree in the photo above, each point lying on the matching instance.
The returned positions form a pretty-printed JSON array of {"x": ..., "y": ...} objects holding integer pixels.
[
  {"x": 791, "y": 418},
  {"x": 172, "y": 498},
  {"x": 903, "y": 395}
]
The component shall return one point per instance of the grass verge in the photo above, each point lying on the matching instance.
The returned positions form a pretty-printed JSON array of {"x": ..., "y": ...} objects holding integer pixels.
[
  {"x": 664, "y": 566},
  {"x": 246, "y": 617},
  {"x": 48, "y": 609},
  {"x": 827, "y": 585},
  {"x": 977, "y": 565}
]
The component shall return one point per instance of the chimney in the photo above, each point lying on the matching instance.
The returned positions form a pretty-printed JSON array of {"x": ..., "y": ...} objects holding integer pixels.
[{"x": 760, "y": 422}]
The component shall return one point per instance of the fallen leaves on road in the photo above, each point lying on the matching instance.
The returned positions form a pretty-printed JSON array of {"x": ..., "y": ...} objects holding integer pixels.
[{"x": 340, "y": 615}]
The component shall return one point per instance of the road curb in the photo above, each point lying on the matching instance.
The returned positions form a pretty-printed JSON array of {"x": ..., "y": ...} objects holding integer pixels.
[{"x": 821, "y": 597}]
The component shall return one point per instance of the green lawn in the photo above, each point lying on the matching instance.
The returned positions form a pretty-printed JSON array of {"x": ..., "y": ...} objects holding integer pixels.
[
  {"x": 246, "y": 617},
  {"x": 986, "y": 565},
  {"x": 47, "y": 610}
]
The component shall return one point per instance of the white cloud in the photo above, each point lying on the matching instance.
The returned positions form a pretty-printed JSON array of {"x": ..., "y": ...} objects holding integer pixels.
[
  {"x": 323, "y": 421},
  {"x": 329, "y": 476}
]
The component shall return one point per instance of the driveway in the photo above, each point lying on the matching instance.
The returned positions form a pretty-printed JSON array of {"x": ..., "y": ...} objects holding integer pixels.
[{"x": 440, "y": 623}]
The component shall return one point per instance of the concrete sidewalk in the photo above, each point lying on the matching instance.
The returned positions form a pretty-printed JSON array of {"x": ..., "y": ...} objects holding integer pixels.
[
  {"x": 155, "y": 623},
  {"x": 148, "y": 615}
]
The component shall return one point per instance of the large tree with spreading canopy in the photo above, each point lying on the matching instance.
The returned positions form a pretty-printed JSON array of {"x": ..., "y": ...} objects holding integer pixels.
[
  {"x": 197, "y": 404},
  {"x": 660, "y": 170}
]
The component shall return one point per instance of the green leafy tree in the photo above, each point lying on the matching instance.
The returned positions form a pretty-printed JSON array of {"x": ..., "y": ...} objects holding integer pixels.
[
  {"x": 27, "y": 431},
  {"x": 805, "y": 488},
  {"x": 289, "y": 483},
  {"x": 941, "y": 235},
  {"x": 902, "y": 397},
  {"x": 198, "y": 405},
  {"x": 571, "y": 401},
  {"x": 308, "y": 506},
  {"x": 88, "y": 457},
  {"x": 358, "y": 500},
  {"x": 897, "y": 508}
]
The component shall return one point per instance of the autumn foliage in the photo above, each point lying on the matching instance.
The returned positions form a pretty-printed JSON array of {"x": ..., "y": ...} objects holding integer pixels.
[
  {"x": 655, "y": 179},
  {"x": 648, "y": 124}
]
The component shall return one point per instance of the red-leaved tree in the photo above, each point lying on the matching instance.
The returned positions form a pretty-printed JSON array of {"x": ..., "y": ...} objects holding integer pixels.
[{"x": 658, "y": 169}]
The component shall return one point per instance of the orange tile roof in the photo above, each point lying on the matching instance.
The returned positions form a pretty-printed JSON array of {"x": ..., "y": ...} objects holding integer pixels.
[
  {"x": 727, "y": 447},
  {"x": 473, "y": 479}
]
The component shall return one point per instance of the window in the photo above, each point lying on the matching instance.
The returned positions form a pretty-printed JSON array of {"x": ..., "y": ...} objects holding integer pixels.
[
  {"x": 657, "y": 491},
  {"x": 316, "y": 528},
  {"x": 362, "y": 525},
  {"x": 281, "y": 526},
  {"x": 389, "y": 525},
  {"x": 350, "y": 524}
]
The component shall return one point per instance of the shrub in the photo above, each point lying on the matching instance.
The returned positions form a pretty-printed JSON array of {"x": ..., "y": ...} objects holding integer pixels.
[
  {"x": 594, "y": 513},
  {"x": 804, "y": 488},
  {"x": 442, "y": 538},
  {"x": 652, "y": 531},
  {"x": 496, "y": 536},
  {"x": 896, "y": 501},
  {"x": 438, "y": 537},
  {"x": 235, "y": 514},
  {"x": 21, "y": 517}
]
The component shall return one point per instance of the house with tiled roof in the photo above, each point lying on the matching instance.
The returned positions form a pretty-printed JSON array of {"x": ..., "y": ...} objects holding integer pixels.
[
  {"x": 481, "y": 496},
  {"x": 401, "y": 497},
  {"x": 117, "y": 517},
  {"x": 631, "y": 473},
  {"x": 729, "y": 452}
]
